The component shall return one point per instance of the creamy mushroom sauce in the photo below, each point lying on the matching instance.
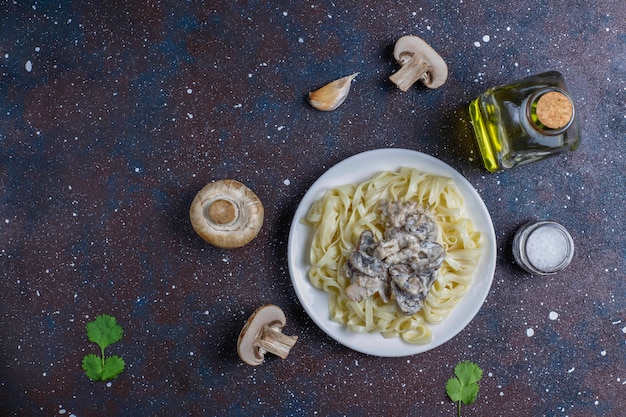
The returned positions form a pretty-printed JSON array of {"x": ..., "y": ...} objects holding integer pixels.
[{"x": 403, "y": 265}]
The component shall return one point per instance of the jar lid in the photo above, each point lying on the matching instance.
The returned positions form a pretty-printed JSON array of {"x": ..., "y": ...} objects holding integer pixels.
[
  {"x": 554, "y": 110},
  {"x": 543, "y": 247}
]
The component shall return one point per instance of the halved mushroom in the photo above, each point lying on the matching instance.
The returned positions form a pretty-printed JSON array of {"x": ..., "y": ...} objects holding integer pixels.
[
  {"x": 419, "y": 61},
  {"x": 262, "y": 334},
  {"x": 227, "y": 214}
]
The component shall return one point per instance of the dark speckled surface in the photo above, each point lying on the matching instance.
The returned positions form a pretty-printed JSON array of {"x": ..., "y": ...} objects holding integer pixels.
[{"x": 113, "y": 115}]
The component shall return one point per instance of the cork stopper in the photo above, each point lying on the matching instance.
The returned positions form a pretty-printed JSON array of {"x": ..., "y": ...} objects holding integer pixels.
[{"x": 554, "y": 110}]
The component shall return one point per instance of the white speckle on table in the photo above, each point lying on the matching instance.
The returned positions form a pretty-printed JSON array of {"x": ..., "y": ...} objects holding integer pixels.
[
  {"x": 477, "y": 44},
  {"x": 300, "y": 40},
  {"x": 623, "y": 329},
  {"x": 530, "y": 332},
  {"x": 279, "y": 128},
  {"x": 486, "y": 38},
  {"x": 569, "y": 371},
  {"x": 189, "y": 116},
  {"x": 553, "y": 315},
  {"x": 287, "y": 182},
  {"x": 28, "y": 66},
  {"x": 189, "y": 91},
  {"x": 37, "y": 49},
  {"x": 603, "y": 353}
]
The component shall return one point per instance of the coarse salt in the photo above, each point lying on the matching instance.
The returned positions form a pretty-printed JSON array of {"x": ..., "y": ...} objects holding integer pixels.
[{"x": 546, "y": 248}]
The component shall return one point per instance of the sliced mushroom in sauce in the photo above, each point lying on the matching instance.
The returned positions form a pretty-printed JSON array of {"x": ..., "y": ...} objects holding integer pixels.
[{"x": 404, "y": 264}]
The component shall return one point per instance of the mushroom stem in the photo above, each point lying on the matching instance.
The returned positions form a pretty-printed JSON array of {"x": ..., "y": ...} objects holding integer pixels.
[
  {"x": 222, "y": 211},
  {"x": 273, "y": 341},
  {"x": 411, "y": 71}
]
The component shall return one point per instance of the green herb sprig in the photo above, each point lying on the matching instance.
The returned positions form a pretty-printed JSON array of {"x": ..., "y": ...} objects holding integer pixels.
[
  {"x": 464, "y": 388},
  {"x": 103, "y": 331}
]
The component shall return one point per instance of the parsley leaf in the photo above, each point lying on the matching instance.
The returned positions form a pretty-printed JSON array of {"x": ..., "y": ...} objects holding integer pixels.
[
  {"x": 92, "y": 365},
  {"x": 464, "y": 388},
  {"x": 468, "y": 372},
  {"x": 103, "y": 331},
  {"x": 113, "y": 366}
]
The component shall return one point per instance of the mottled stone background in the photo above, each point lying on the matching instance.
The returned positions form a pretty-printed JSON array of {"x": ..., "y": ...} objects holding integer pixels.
[{"x": 114, "y": 114}]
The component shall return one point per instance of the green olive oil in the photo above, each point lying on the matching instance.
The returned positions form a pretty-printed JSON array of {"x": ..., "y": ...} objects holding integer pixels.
[{"x": 525, "y": 121}]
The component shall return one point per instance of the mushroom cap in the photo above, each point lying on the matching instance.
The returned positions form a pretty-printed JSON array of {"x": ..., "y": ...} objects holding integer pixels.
[
  {"x": 226, "y": 213},
  {"x": 268, "y": 314},
  {"x": 409, "y": 46}
]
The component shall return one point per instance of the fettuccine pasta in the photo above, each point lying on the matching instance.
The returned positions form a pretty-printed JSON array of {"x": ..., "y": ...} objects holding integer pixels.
[{"x": 344, "y": 212}]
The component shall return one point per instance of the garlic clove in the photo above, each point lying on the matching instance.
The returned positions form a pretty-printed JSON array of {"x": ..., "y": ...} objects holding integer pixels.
[{"x": 331, "y": 96}]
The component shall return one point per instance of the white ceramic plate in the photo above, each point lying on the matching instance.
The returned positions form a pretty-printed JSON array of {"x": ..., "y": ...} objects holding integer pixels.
[{"x": 359, "y": 168}]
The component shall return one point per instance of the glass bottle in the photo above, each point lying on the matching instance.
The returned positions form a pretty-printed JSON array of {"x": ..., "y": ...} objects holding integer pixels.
[{"x": 525, "y": 121}]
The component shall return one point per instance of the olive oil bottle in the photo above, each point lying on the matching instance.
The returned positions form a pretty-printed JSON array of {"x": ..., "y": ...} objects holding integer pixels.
[{"x": 525, "y": 121}]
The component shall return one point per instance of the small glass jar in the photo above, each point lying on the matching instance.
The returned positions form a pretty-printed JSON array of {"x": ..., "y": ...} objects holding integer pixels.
[
  {"x": 525, "y": 121},
  {"x": 543, "y": 247}
]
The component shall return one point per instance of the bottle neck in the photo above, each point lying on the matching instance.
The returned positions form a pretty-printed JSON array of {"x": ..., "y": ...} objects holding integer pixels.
[{"x": 548, "y": 111}]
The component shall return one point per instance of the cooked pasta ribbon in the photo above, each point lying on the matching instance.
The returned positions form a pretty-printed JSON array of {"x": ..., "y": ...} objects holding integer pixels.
[{"x": 344, "y": 212}]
